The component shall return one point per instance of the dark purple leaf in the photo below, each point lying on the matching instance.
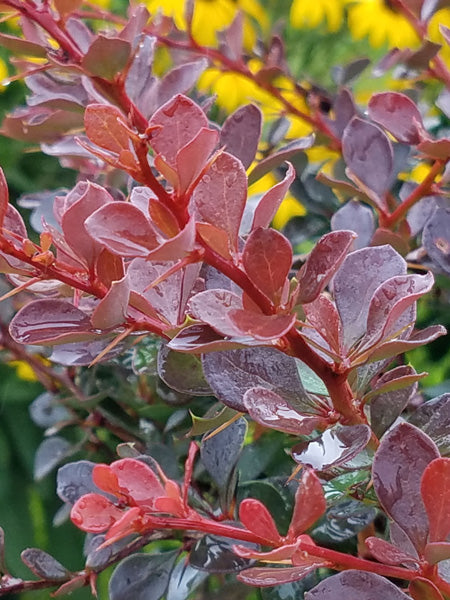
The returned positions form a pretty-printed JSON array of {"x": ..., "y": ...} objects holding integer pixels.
[
  {"x": 435, "y": 490},
  {"x": 267, "y": 259},
  {"x": 270, "y": 202},
  {"x": 75, "y": 480},
  {"x": 333, "y": 448},
  {"x": 388, "y": 554},
  {"x": 49, "y": 454},
  {"x": 220, "y": 196},
  {"x": 342, "y": 75},
  {"x": 142, "y": 576},
  {"x": 433, "y": 418},
  {"x": 50, "y": 322},
  {"x": 241, "y": 132},
  {"x": 322, "y": 263},
  {"x": 81, "y": 354},
  {"x": 356, "y": 281},
  {"x": 278, "y": 157},
  {"x": 269, "y": 409},
  {"x": 106, "y": 57},
  {"x": 397, "y": 114},
  {"x": 358, "y": 218},
  {"x": 182, "y": 372},
  {"x": 399, "y": 463},
  {"x": 436, "y": 239},
  {"x": 369, "y": 156},
  {"x": 184, "y": 580},
  {"x": 230, "y": 374},
  {"x": 20, "y": 46},
  {"x": 202, "y": 338},
  {"x": 356, "y": 585},
  {"x": 269, "y": 576},
  {"x": 390, "y": 349},
  {"x": 44, "y": 565},
  {"x": 344, "y": 109},
  {"x": 179, "y": 80},
  {"x": 220, "y": 452},
  {"x": 214, "y": 554},
  {"x": 46, "y": 411}
]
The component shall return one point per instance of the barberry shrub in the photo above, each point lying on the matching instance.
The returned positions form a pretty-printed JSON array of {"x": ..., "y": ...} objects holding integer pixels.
[{"x": 312, "y": 466}]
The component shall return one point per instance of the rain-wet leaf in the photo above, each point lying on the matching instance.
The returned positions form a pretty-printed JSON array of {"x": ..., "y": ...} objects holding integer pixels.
[
  {"x": 214, "y": 554},
  {"x": 141, "y": 577},
  {"x": 433, "y": 418},
  {"x": 355, "y": 585},
  {"x": 182, "y": 372},
  {"x": 241, "y": 132},
  {"x": 184, "y": 579},
  {"x": 44, "y": 565},
  {"x": 49, "y": 454},
  {"x": 45, "y": 410},
  {"x": 435, "y": 490},
  {"x": 343, "y": 521},
  {"x": 398, "y": 114},
  {"x": 74, "y": 480},
  {"x": 436, "y": 239},
  {"x": 268, "y": 576}
]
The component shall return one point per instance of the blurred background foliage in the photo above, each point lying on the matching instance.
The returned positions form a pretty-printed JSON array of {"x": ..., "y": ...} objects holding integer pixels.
[{"x": 319, "y": 35}]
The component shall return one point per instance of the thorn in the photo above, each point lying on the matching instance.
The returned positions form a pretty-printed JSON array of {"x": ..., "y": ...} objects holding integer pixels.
[{"x": 112, "y": 345}]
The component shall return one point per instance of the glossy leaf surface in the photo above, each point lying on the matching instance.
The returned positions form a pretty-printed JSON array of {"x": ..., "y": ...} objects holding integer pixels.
[
  {"x": 355, "y": 585},
  {"x": 435, "y": 490},
  {"x": 141, "y": 577}
]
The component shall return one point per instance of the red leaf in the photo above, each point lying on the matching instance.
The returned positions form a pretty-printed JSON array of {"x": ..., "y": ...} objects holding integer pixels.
[
  {"x": 269, "y": 576},
  {"x": 256, "y": 518},
  {"x": 215, "y": 238},
  {"x": 106, "y": 57},
  {"x": 192, "y": 158},
  {"x": 261, "y": 327},
  {"x": 177, "y": 247},
  {"x": 213, "y": 307},
  {"x": 112, "y": 309},
  {"x": 309, "y": 505},
  {"x": 94, "y": 513},
  {"x": 435, "y": 490},
  {"x": 105, "y": 479},
  {"x": 174, "y": 125},
  {"x": 138, "y": 480},
  {"x": 220, "y": 196},
  {"x": 106, "y": 126},
  {"x": 267, "y": 258},
  {"x": 324, "y": 317},
  {"x": 424, "y": 589},
  {"x": 270, "y": 202},
  {"x": 437, "y": 149},
  {"x": 397, "y": 114},
  {"x": 271, "y": 410},
  {"x": 322, "y": 263},
  {"x": 388, "y": 554},
  {"x": 4, "y": 197},
  {"x": 123, "y": 229}
]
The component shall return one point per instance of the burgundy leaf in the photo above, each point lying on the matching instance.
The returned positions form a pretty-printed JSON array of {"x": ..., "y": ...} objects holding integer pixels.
[
  {"x": 106, "y": 57},
  {"x": 269, "y": 409},
  {"x": 387, "y": 553},
  {"x": 241, "y": 132},
  {"x": 417, "y": 338},
  {"x": 401, "y": 459},
  {"x": 123, "y": 229},
  {"x": 182, "y": 372},
  {"x": 424, "y": 589},
  {"x": 322, "y": 263},
  {"x": 213, "y": 307},
  {"x": 270, "y": 576},
  {"x": 202, "y": 338},
  {"x": 112, "y": 309},
  {"x": 4, "y": 197},
  {"x": 44, "y": 565},
  {"x": 436, "y": 239},
  {"x": 436, "y": 552},
  {"x": 277, "y": 158},
  {"x": 20, "y": 46},
  {"x": 261, "y": 327},
  {"x": 106, "y": 126},
  {"x": 357, "y": 217},
  {"x": 355, "y": 283},
  {"x": 270, "y": 202},
  {"x": 180, "y": 80},
  {"x": 50, "y": 322},
  {"x": 433, "y": 418},
  {"x": 40, "y": 124},
  {"x": 309, "y": 505},
  {"x": 369, "y": 156},
  {"x": 436, "y": 149},
  {"x": 323, "y": 316},
  {"x": 344, "y": 109},
  {"x": 174, "y": 125},
  {"x": 215, "y": 238},
  {"x": 177, "y": 247},
  {"x": 356, "y": 585},
  {"x": 435, "y": 490},
  {"x": 267, "y": 259},
  {"x": 397, "y": 114},
  {"x": 220, "y": 196},
  {"x": 192, "y": 158},
  {"x": 256, "y": 518},
  {"x": 333, "y": 448}
]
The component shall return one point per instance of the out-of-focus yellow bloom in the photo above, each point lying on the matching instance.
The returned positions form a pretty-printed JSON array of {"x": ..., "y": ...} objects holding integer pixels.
[
  {"x": 101, "y": 3},
  {"x": 441, "y": 17},
  {"x": 290, "y": 206},
  {"x": 23, "y": 370},
  {"x": 211, "y": 16},
  {"x": 381, "y": 23},
  {"x": 3, "y": 74},
  {"x": 311, "y": 13}
]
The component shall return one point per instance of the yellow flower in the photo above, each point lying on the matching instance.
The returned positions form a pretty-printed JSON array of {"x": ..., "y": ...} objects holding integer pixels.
[
  {"x": 101, "y": 3},
  {"x": 3, "y": 74},
  {"x": 290, "y": 206},
  {"x": 311, "y": 13},
  {"x": 211, "y": 16},
  {"x": 381, "y": 23},
  {"x": 23, "y": 370},
  {"x": 441, "y": 17}
]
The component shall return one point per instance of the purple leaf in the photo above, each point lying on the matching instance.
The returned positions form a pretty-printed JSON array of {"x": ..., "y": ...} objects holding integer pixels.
[
  {"x": 344, "y": 109},
  {"x": 141, "y": 576},
  {"x": 436, "y": 239},
  {"x": 388, "y": 554},
  {"x": 322, "y": 263},
  {"x": 270, "y": 576},
  {"x": 44, "y": 565},
  {"x": 78, "y": 354},
  {"x": 220, "y": 196},
  {"x": 174, "y": 125},
  {"x": 356, "y": 281},
  {"x": 397, "y": 114},
  {"x": 369, "y": 156},
  {"x": 179, "y": 80},
  {"x": 399, "y": 463},
  {"x": 393, "y": 348},
  {"x": 277, "y": 158},
  {"x": 49, "y": 321},
  {"x": 267, "y": 259},
  {"x": 333, "y": 448},
  {"x": 433, "y": 418},
  {"x": 106, "y": 57},
  {"x": 50, "y": 453},
  {"x": 203, "y": 338},
  {"x": 112, "y": 308},
  {"x": 358, "y": 218},
  {"x": 241, "y": 132},
  {"x": 230, "y": 374},
  {"x": 421, "y": 212},
  {"x": 75, "y": 480},
  {"x": 46, "y": 411},
  {"x": 356, "y": 585},
  {"x": 123, "y": 229},
  {"x": 270, "y": 202},
  {"x": 269, "y": 409}
]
